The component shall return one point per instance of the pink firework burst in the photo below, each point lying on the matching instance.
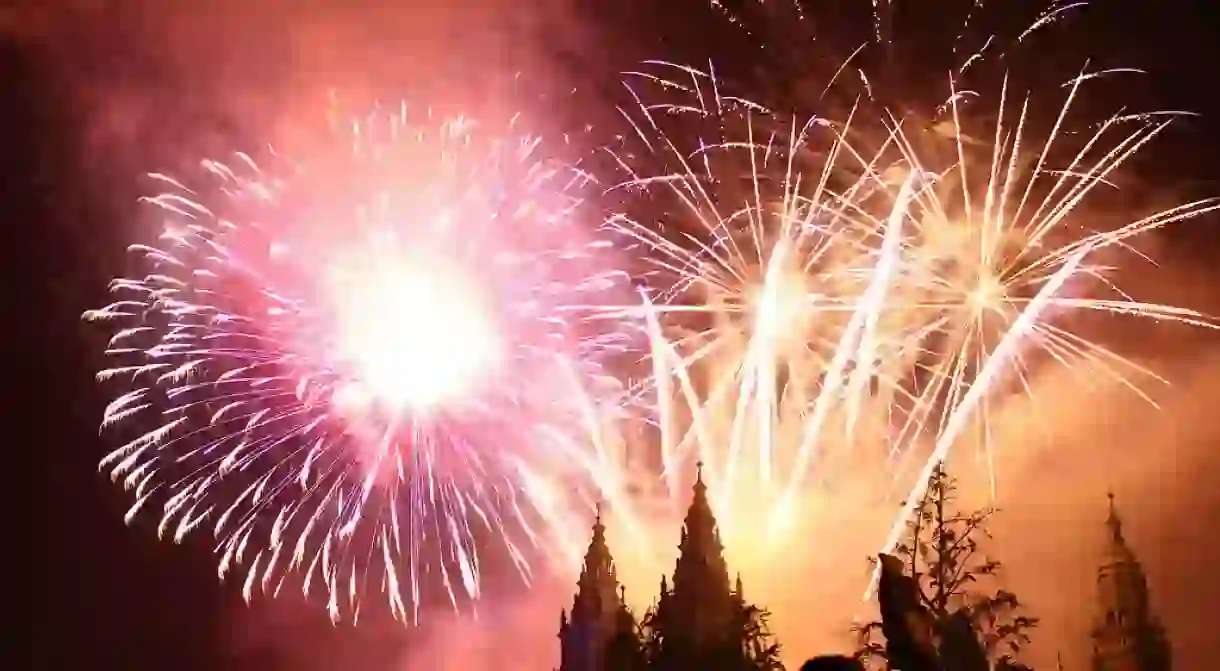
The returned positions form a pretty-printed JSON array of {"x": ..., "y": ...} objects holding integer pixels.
[{"x": 370, "y": 373}]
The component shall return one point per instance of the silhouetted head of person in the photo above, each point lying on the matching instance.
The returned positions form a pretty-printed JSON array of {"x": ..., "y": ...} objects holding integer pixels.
[{"x": 832, "y": 663}]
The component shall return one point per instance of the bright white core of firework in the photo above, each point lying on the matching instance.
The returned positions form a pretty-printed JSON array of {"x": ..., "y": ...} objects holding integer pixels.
[{"x": 416, "y": 336}]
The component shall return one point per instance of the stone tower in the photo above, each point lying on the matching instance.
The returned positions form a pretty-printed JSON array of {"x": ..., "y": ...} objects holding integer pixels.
[
  {"x": 701, "y": 597},
  {"x": 1126, "y": 636},
  {"x": 697, "y": 616},
  {"x": 597, "y": 611}
]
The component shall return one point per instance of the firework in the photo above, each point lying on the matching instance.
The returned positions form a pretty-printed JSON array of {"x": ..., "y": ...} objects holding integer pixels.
[
  {"x": 369, "y": 370},
  {"x": 864, "y": 289}
]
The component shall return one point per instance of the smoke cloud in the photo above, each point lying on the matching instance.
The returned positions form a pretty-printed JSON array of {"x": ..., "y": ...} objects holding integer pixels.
[
  {"x": 1058, "y": 454},
  {"x": 156, "y": 85}
]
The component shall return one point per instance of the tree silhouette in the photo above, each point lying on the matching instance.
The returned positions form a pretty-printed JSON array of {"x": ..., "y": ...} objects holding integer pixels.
[
  {"x": 758, "y": 650},
  {"x": 746, "y": 644},
  {"x": 977, "y": 628}
]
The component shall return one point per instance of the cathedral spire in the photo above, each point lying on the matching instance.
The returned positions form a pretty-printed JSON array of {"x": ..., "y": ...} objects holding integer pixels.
[
  {"x": 596, "y": 609},
  {"x": 597, "y": 587},
  {"x": 1117, "y": 552},
  {"x": 1114, "y": 523},
  {"x": 1126, "y": 636},
  {"x": 700, "y": 544},
  {"x": 699, "y": 604}
]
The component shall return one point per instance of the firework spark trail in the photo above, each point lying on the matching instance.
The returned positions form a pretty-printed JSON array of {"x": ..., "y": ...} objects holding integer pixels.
[
  {"x": 858, "y": 342},
  {"x": 373, "y": 372},
  {"x": 998, "y": 360},
  {"x": 800, "y": 56},
  {"x": 918, "y": 328}
]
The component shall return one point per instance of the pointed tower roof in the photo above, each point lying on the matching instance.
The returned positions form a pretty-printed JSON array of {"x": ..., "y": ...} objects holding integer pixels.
[
  {"x": 597, "y": 587},
  {"x": 1117, "y": 550},
  {"x": 1120, "y": 577},
  {"x": 701, "y": 537},
  {"x": 700, "y": 521},
  {"x": 1126, "y": 636},
  {"x": 596, "y": 609},
  {"x": 700, "y": 602}
]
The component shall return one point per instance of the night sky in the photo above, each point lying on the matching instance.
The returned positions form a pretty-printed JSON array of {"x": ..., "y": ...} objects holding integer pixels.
[{"x": 93, "y": 100}]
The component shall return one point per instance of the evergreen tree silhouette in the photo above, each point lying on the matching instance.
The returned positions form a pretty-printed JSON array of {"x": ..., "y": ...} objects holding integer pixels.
[
  {"x": 941, "y": 559},
  {"x": 758, "y": 648}
]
